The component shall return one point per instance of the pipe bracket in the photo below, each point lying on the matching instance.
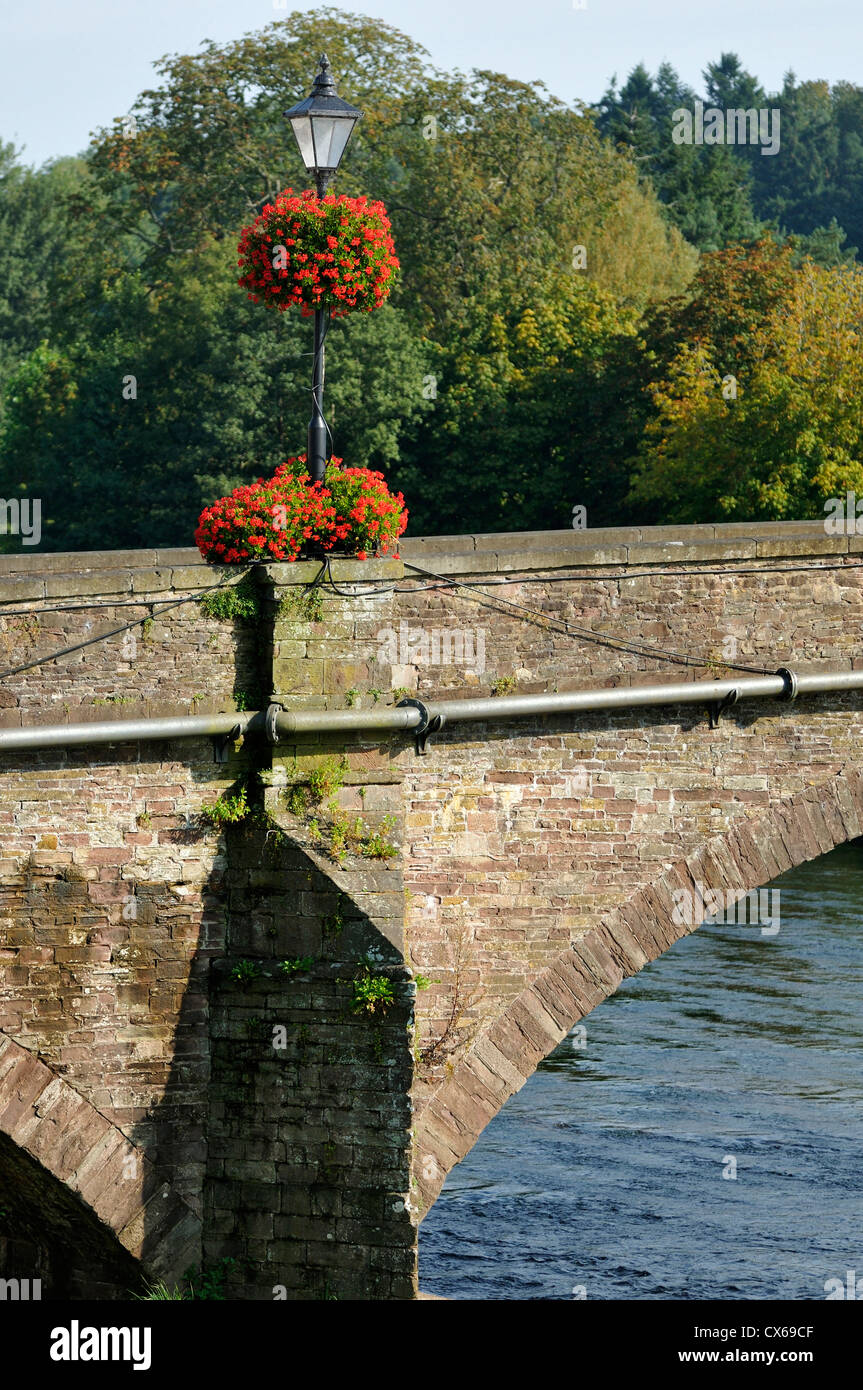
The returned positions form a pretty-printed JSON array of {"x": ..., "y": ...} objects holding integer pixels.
[
  {"x": 790, "y": 679},
  {"x": 717, "y": 708},
  {"x": 426, "y": 727},
  {"x": 222, "y": 742},
  {"x": 271, "y": 722}
]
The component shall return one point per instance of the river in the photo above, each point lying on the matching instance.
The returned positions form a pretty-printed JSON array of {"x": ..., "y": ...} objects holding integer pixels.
[{"x": 611, "y": 1174}]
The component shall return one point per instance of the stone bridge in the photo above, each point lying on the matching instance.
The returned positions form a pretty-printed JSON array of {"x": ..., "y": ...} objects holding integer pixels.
[{"x": 214, "y": 1054}]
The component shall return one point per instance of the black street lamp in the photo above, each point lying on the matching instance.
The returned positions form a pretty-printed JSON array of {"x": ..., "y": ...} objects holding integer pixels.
[{"x": 323, "y": 125}]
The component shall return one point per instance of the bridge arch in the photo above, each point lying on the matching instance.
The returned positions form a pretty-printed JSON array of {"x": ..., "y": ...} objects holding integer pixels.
[
  {"x": 505, "y": 1055},
  {"x": 48, "y": 1128}
]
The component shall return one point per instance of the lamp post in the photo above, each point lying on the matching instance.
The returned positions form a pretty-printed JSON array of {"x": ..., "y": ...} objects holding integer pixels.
[{"x": 323, "y": 125}]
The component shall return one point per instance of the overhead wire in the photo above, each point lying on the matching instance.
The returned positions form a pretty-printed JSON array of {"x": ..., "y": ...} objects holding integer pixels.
[
  {"x": 384, "y": 587},
  {"x": 112, "y": 632},
  {"x": 590, "y": 634}
]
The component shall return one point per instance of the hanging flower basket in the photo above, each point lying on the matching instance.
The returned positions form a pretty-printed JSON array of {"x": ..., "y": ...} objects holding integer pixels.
[
  {"x": 287, "y": 516},
  {"x": 320, "y": 253}
]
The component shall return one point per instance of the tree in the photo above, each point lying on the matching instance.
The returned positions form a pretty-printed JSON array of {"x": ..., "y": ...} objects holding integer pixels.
[
  {"x": 186, "y": 390},
  {"x": 789, "y": 435},
  {"x": 491, "y": 185},
  {"x": 34, "y": 249},
  {"x": 706, "y": 188}
]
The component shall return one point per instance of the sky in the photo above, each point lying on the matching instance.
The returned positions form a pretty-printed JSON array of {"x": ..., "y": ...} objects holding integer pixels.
[{"x": 68, "y": 67}]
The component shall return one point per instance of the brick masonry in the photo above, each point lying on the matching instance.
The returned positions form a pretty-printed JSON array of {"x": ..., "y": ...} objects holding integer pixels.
[{"x": 536, "y": 867}]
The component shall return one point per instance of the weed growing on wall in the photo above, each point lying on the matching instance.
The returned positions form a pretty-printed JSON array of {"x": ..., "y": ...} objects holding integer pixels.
[
  {"x": 372, "y": 991},
  {"x": 240, "y": 601}
]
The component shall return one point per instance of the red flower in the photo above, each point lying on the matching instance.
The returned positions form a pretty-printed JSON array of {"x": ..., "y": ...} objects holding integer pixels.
[
  {"x": 331, "y": 231},
  {"x": 274, "y": 517}
]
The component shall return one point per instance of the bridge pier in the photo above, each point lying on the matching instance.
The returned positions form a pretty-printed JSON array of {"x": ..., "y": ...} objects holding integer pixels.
[{"x": 308, "y": 1174}]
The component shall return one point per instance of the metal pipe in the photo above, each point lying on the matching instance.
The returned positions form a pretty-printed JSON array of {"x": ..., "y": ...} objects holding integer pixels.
[
  {"x": 127, "y": 730},
  {"x": 621, "y": 697},
  {"x": 418, "y": 715},
  {"x": 307, "y": 721},
  {"x": 631, "y": 697}
]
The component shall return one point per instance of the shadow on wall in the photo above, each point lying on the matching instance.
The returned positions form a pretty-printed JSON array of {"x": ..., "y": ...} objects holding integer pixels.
[
  {"x": 47, "y": 1234},
  {"x": 294, "y": 1107}
]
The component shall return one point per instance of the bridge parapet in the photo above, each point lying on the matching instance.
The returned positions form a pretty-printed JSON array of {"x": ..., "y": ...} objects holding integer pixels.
[{"x": 142, "y": 942}]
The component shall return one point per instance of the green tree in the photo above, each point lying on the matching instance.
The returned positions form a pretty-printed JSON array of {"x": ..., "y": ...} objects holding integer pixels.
[
  {"x": 127, "y": 434},
  {"x": 707, "y": 189},
  {"x": 491, "y": 185},
  {"x": 789, "y": 435},
  {"x": 34, "y": 250}
]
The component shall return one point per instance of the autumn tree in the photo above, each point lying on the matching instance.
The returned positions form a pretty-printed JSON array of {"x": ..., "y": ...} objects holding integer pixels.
[{"x": 757, "y": 415}]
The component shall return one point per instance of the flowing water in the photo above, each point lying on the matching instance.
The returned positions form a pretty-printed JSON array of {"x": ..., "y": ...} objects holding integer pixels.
[{"x": 610, "y": 1175}]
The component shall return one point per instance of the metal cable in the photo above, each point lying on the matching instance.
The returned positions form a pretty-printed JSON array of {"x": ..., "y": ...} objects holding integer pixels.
[{"x": 590, "y": 635}]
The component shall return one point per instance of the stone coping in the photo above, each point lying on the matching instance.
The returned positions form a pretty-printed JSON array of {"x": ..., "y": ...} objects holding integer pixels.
[{"x": 26, "y": 577}]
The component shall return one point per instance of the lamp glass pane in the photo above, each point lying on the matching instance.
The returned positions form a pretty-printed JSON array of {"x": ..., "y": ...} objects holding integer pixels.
[
  {"x": 322, "y": 133},
  {"x": 303, "y": 131},
  {"x": 331, "y": 134},
  {"x": 341, "y": 136}
]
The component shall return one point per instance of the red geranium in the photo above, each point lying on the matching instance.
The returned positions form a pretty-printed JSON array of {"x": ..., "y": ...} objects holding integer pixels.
[
  {"x": 329, "y": 252},
  {"x": 279, "y": 518}
]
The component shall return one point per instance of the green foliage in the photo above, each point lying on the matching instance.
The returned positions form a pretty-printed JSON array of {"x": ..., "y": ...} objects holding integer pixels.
[
  {"x": 239, "y": 601},
  {"x": 497, "y": 360},
  {"x": 503, "y": 685},
  {"x": 159, "y": 1292},
  {"x": 33, "y": 214},
  {"x": 339, "y": 832},
  {"x": 296, "y": 965},
  {"x": 297, "y": 798},
  {"x": 351, "y": 697},
  {"x": 376, "y": 843},
  {"x": 333, "y": 925},
  {"x": 707, "y": 188},
  {"x": 422, "y": 981},
  {"x": 227, "y": 810},
  {"x": 245, "y": 971},
  {"x": 791, "y": 435},
  {"x": 345, "y": 833},
  {"x": 304, "y": 601},
  {"x": 208, "y": 1283},
  {"x": 371, "y": 991},
  {"x": 484, "y": 218},
  {"x": 325, "y": 780}
]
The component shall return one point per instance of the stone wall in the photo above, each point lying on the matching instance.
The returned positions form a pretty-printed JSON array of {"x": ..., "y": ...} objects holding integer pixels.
[
  {"x": 141, "y": 949},
  {"x": 521, "y": 837},
  {"x": 125, "y": 917}
]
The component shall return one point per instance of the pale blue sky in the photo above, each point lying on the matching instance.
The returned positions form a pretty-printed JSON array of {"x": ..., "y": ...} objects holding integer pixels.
[{"x": 69, "y": 66}]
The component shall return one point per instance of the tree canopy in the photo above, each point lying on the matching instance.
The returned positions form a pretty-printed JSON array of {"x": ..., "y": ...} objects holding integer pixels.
[{"x": 574, "y": 284}]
